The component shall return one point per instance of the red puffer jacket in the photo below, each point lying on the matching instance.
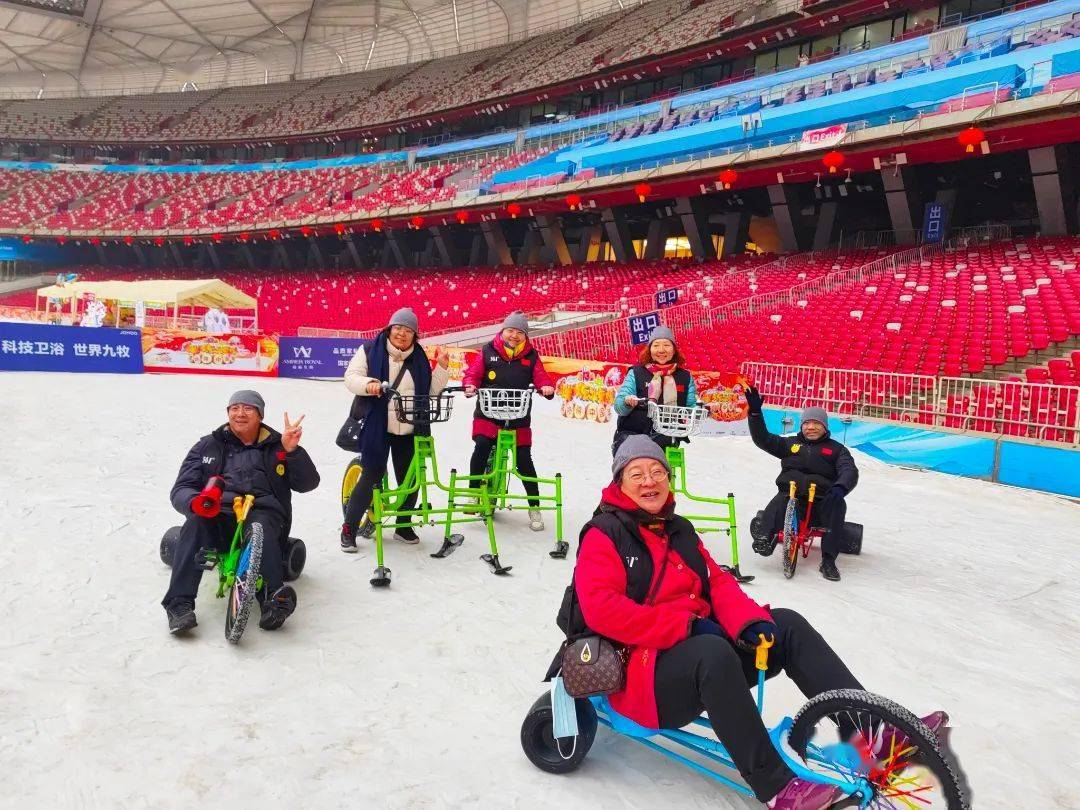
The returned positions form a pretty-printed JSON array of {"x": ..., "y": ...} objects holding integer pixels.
[{"x": 600, "y": 577}]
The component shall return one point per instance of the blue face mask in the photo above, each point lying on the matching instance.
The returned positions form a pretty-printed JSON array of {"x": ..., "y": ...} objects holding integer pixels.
[{"x": 563, "y": 714}]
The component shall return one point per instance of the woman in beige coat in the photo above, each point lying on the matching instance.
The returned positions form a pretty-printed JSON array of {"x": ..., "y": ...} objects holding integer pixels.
[{"x": 394, "y": 357}]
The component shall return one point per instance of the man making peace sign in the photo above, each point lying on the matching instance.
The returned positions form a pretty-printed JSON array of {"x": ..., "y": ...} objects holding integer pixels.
[{"x": 242, "y": 457}]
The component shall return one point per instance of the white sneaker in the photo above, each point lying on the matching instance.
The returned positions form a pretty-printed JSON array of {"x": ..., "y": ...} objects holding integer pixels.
[{"x": 536, "y": 520}]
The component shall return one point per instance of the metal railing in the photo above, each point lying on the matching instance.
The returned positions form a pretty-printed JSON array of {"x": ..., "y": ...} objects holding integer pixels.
[{"x": 1038, "y": 411}]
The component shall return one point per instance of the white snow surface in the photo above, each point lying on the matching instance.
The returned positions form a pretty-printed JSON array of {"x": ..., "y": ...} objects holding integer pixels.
[{"x": 965, "y": 599}]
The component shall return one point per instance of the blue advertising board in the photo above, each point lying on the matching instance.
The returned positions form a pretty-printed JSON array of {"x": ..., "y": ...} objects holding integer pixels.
[
  {"x": 641, "y": 327},
  {"x": 325, "y": 358},
  {"x": 42, "y": 347},
  {"x": 667, "y": 298}
]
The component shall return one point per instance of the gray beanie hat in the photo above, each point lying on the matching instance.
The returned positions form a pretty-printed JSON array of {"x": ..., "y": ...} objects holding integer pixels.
[
  {"x": 814, "y": 414},
  {"x": 516, "y": 320},
  {"x": 636, "y": 445},
  {"x": 405, "y": 317},
  {"x": 248, "y": 397},
  {"x": 662, "y": 333}
]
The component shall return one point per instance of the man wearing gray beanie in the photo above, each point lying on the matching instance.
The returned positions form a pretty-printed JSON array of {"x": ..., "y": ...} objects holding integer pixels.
[
  {"x": 242, "y": 457},
  {"x": 811, "y": 456}
]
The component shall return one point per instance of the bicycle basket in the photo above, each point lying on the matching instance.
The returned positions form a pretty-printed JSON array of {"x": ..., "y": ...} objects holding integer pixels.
[
  {"x": 675, "y": 421},
  {"x": 505, "y": 404},
  {"x": 422, "y": 411}
]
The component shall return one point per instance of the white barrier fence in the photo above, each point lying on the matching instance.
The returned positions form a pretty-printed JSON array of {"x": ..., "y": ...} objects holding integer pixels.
[{"x": 1039, "y": 411}]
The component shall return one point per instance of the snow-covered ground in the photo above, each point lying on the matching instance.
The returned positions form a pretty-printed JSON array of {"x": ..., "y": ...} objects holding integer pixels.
[{"x": 965, "y": 598}]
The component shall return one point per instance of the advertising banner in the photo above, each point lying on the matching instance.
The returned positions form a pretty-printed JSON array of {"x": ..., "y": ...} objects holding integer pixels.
[
  {"x": 820, "y": 138},
  {"x": 183, "y": 351},
  {"x": 316, "y": 358},
  {"x": 41, "y": 347}
]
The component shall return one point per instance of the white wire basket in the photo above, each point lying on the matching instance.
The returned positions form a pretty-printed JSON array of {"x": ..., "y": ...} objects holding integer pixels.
[
  {"x": 505, "y": 404},
  {"x": 675, "y": 421}
]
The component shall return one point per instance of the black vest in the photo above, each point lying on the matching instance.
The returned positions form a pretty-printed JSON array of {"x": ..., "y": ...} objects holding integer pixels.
[
  {"x": 637, "y": 421},
  {"x": 625, "y": 534},
  {"x": 502, "y": 373}
]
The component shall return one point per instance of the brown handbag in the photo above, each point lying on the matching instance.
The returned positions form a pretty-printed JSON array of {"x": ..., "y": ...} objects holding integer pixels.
[{"x": 593, "y": 665}]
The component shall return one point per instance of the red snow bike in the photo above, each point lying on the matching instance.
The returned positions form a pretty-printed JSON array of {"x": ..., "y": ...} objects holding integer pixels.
[{"x": 797, "y": 534}]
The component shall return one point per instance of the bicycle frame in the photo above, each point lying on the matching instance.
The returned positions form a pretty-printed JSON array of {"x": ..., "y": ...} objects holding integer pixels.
[
  {"x": 228, "y": 564},
  {"x": 716, "y": 754},
  {"x": 806, "y": 534}
]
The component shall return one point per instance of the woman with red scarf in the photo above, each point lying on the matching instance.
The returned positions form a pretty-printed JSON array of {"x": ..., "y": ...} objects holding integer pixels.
[
  {"x": 658, "y": 377},
  {"x": 509, "y": 361}
]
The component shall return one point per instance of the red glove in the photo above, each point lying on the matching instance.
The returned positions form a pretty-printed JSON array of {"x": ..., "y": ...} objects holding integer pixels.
[{"x": 207, "y": 503}]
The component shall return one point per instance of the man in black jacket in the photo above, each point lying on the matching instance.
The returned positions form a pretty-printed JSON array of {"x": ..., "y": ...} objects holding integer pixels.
[
  {"x": 241, "y": 457},
  {"x": 810, "y": 456}
]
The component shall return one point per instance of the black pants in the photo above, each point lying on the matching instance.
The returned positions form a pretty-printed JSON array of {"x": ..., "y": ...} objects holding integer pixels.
[
  {"x": 402, "y": 449},
  {"x": 620, "y": 437},
  {"x": 482, "y": 448},
  {"x": 710, "y": 673},
  {"x": 198, "y": 533},
  {"x": 829, "y": 516}
]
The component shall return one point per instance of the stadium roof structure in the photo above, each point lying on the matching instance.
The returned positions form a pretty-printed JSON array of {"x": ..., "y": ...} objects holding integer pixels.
[
  {"x": 204, "y": 292},
  {"x": 90, "y": 47}
]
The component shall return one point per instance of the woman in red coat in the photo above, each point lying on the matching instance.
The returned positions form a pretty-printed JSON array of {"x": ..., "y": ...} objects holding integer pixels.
[{"x": 645, "y": 580}]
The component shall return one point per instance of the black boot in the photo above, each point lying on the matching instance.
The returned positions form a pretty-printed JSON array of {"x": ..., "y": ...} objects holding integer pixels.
[
  {"x": 348, "y": 539},
  {"x": 765, "y": 546},
  {"x": 277, "y": 607},
  {"x": 181, "y": 613},
  {"x": 829, "y": 570}
]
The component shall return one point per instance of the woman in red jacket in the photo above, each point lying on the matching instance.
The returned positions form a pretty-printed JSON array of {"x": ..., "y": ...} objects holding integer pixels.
[
  {"x": 645, "y": 580},
  {"x": 509, "y": 361}
]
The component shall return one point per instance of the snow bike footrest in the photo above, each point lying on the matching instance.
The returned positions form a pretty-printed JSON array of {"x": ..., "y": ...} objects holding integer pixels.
[
  {"x": 381, "y": 577},
  {"x": 559, "y": 552},
  {"x": 739, "y": 575},
  {"x": 496, "y": 566},
  {"x": 449, "y": 546}
]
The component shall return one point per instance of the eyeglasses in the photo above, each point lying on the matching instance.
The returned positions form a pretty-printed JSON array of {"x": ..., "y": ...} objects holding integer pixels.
[
  {"x": 247, "y": 410},
  {"x": 657, "y": 476}
]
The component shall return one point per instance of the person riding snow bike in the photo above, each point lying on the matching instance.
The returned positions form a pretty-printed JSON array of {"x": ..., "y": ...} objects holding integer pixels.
[
  {"x": 508, "y": 362},
  {"x": 241, "y": 457},
  {"x": 658, "y": 377},
  {"x": 811, "y": 456}
]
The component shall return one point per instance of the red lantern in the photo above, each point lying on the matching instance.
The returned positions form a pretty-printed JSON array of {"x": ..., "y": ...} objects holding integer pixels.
[
  {"x": 275, "y": 233},
  {"x": 513, "y": 209},
  {"x": 833, "y": 160},
  {"x": 159, "y": 240},
  {"x": 94, "y": 240},
  {"x": 573, "y": 201},
  {"x": 60, "y": 240},
  {"x": 128, "y": 240},
  {"x": 728, "y": 178},
  {"x": 462, "y": 217},
  {"x": 216, "y": 237},
  {"x": 244, "y": 236},
  {"x": 187, "y": 240},
  {"x": 970, "y": 138},
  {"x": 642, "y": 190},
  {"x": 377, "y": 225},
  {"x": 339, "y": 228},
  {"x": 417, "y": 222},
  {"x": 27, "y": 240},
  {"x": 306, "y": 230}
]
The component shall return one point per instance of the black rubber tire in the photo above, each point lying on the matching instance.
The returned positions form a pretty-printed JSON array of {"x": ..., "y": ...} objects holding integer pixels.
[
  {"x": 167, "y": 548},
  {"x": 852, "y": 538},
  {"x": 348, "y": 482},
  {"x": 929, "y": 753},
  {"x": 755, "y": 527},
  {"x": 789, "y": 540},
  {"x": 293, "y": 559},
  {"x": 539, "y": 745},
  {"x": 236, "y": 616}
]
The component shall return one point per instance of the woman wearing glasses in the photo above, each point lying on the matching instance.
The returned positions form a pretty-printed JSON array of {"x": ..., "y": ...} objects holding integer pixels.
[{"x": 645, "y": 580}]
